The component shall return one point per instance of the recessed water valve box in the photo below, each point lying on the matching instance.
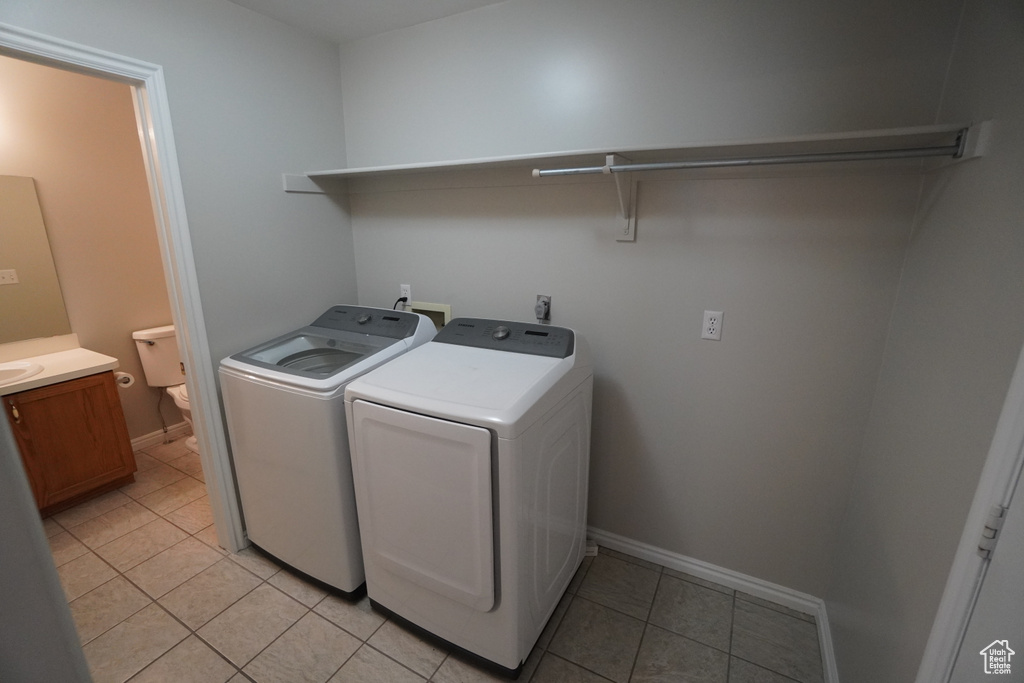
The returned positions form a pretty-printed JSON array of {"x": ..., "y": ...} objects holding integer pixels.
[{"x": 542, "y": 309}]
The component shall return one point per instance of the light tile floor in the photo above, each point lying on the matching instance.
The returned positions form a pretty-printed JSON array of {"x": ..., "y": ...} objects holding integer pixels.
[{"x": 156, "y": 599}]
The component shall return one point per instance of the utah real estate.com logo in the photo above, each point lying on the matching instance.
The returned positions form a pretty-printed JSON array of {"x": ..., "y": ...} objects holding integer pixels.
[{"x": 997, "y": 657}]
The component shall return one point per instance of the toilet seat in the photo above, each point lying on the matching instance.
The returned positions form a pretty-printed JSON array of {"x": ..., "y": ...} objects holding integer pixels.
[{"x": 180, "y": 395}]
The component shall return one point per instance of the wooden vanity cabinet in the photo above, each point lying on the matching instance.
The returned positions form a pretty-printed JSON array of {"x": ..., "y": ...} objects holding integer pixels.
[{"x": 73, "y": 440}]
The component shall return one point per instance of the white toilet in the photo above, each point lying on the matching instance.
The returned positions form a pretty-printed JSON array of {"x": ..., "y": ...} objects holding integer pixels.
[{"x": 161, "y": 361}]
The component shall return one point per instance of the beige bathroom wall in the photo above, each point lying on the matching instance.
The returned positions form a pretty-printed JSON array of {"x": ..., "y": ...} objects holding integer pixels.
[{"x": 76, "y": 136}]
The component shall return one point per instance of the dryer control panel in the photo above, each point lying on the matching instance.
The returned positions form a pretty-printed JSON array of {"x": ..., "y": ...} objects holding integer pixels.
[
  {"x": 507, "y": 335},
  {"x": 376, "y": 321}
]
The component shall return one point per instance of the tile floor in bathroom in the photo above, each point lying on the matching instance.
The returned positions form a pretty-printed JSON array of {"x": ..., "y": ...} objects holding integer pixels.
[{"x": 155, "y": 598}]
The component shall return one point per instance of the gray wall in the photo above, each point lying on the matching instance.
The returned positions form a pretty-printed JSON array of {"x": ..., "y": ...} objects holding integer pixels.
[
  {"x": 957, "y": 330},
  {"x": 250, "y": 99},
  {"x": 741, "y": 453},
  {"x": 738, "y": 453},
  {"x": 529, "y": 76},
  {"x": 746, "y": 454}
]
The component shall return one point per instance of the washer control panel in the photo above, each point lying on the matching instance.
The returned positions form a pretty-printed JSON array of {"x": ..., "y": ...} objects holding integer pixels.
[
  {"x": 505, "y": 335},
  {"x": 379, "y": 322}
]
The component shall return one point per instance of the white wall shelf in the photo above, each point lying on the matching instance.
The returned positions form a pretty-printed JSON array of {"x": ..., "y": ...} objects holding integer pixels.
[
  {"x": 855, "y": 141},
  {"x": 924, "y": 146}
]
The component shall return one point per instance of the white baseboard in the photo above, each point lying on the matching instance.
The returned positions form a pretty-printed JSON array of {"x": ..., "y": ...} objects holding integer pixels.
[
  {"x": 158, "y": 437},
  {"x": 787, "y": 597}
]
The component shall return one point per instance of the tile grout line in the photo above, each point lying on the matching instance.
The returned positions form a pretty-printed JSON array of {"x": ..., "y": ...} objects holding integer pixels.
[
  {"x": 90, "y": 550},
  {"x": 366, "y": 643},
  {"x": 309, "y": 610},
  {"x": 276, "y": 638},
  {"x": 732, "y": 632},
  {"x": 762, "y": 666},
  {"x": 203, "y": 639},
  {"x": 775, "y": 607},
  {"x": 362, "y": 642},
  {"x": 189, "y": 634},
  {"x": 191, "y": 631},
  {"x": 785, "y": 614},
  {"x": 156, "y": 600},
  {"x": 569, "y": 661},
  {"x": 647, "y": 624},
  {"x": 543, "y": 651}
]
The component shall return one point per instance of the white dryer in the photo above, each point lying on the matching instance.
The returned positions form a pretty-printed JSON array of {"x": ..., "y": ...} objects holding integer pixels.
[
  {"x": 470, "y": 458},
  {"x": 284, "y": 402}
]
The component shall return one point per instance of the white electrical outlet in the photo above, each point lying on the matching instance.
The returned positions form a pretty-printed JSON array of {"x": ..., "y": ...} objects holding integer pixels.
[
  {"x": 406, "y": 291},
  {"x": 712, "y": 328},
  {"x": 8, "y": 277}
]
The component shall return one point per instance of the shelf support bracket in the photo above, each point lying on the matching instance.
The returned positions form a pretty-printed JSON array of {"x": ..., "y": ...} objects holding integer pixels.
[
  {"x": 625, "y": 185},
  {"x": 305, "y": 185}
]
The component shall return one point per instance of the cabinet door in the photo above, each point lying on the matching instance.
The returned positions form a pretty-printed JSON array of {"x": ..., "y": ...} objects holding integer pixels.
[{"x": 72, "y": 437}]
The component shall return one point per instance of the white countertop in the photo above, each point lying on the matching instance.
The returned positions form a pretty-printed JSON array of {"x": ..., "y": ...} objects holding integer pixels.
[{"x": 60, "y": 367}]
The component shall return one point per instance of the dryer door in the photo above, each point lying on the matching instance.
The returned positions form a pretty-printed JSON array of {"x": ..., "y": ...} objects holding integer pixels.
[{"x": 423, "y": 491}]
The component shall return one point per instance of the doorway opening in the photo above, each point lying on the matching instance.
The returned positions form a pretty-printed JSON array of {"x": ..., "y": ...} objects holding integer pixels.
[{"x": 152, "y": 116}]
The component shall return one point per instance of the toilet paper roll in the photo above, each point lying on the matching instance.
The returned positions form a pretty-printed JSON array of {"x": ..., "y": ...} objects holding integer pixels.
[{"x": 123, "y": 379}]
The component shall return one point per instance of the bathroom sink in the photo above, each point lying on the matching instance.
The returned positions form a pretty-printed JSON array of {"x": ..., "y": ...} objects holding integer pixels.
[{"x": 17, "y": 370}]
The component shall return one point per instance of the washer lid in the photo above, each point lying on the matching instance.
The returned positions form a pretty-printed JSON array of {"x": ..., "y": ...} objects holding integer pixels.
[
  {"x": 309, "y": 352},
  {"x": 343, "y": 342},
  {"x": 313, "y": 352}
]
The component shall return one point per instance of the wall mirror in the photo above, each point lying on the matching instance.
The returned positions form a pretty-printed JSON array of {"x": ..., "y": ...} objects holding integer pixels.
[{"x": 32, "y": 306}]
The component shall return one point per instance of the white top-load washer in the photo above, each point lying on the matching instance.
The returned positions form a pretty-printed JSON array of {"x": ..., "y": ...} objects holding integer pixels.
[
  {"x": 284, "y": 401},
  {"x": 470, "y": 458}
]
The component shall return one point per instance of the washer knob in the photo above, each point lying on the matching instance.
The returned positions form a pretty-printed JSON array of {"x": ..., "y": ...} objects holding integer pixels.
[
  {"x": 364, "y": 318},
  {"x": 500, "y": 332}
]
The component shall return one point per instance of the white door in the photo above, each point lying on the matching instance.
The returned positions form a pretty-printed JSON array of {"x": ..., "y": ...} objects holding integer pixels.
[
  {"x": 424, "y": 500},
  {"x": 997, "y": 623},
  {"x": 982, "y": 607}
]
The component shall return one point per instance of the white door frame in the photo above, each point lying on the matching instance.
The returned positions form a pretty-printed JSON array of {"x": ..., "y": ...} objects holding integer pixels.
[
  {"x": 998, "y": 481},
  {"x": 161, "y": 162}
]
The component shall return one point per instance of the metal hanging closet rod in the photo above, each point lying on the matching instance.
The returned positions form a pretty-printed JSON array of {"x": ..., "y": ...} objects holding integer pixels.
[{"x": 954, "y": 151}]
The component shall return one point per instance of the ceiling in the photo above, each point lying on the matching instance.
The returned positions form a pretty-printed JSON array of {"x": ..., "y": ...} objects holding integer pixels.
[{"x": 346, "y": 20}]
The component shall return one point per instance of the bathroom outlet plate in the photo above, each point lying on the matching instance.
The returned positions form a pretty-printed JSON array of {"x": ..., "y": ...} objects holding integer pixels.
[
  {"x": 8, "y": 277},
  {"x": 712, "y": 328}
]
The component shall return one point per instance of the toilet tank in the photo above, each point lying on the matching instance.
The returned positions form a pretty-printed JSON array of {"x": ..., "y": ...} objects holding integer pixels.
[{"x": 158, "y": 349}]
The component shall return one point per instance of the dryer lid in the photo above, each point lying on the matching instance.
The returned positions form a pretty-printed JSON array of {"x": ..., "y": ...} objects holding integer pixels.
[{"x": 476, "y": 386}]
